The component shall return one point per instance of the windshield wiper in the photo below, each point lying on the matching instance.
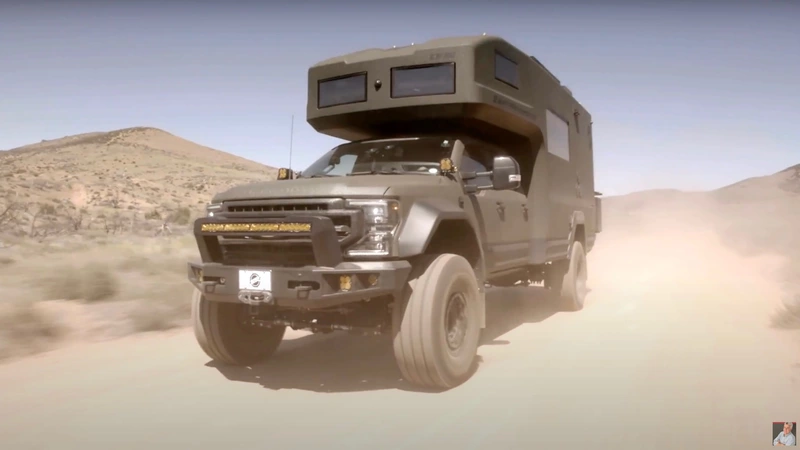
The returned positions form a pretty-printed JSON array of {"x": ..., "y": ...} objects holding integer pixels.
[{"x": 321, "y": 175}]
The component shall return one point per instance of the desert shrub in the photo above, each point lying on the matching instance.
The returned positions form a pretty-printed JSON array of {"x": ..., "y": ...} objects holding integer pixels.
[
  {"x": 98, "y": 283},
  {"x": 181, "y": 216},
  {"x": 135, "y": 262},
  {"x": 92, "y": 283},
  {"x": 152, "y": 215},
  {"x": 26, "y": 329},
  {"x": 62, "y": 283}
]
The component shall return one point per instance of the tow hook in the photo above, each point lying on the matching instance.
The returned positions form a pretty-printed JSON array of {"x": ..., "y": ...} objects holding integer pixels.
[{"x": 251, "y": 297}]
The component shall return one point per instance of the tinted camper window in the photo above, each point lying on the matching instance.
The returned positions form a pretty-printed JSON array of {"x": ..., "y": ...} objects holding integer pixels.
[
  {"x": 506, "y": 70},
  {"x": 423, "y": 80},
  {"x": 557, "y": 135},
  {"x": 342, "y": 90}
]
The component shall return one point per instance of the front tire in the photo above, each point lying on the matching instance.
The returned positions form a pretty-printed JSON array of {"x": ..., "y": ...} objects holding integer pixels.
[
  {"x": 222, "y": 336},
  {"x": 435, "y": 325}
]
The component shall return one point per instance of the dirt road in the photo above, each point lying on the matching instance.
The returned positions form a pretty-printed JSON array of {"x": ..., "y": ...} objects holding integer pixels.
[{"x": 673, "y": 350}]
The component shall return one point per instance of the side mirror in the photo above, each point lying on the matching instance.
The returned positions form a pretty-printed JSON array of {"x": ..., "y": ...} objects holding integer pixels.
[
  {"x": 285, "y": 174},
  {"x": 505, "y": 174}
]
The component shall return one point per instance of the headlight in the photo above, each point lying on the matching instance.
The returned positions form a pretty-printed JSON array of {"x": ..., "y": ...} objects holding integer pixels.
[
  {"x": 212, "y": 209},
  {"x": 382, "y": 218}
]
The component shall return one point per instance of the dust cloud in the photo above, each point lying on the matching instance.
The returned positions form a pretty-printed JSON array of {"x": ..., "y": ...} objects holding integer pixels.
[{"x": 680, "y": 246}]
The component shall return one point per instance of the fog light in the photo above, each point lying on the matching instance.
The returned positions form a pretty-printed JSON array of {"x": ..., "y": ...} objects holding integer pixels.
[
  {"x": 446, "y": 166},
  {"x": 373, "y": 279},
  {"x": 345, "y": 283}
]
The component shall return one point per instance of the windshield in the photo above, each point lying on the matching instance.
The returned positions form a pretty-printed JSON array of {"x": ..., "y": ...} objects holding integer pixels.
[{"x": 402, "y": 156}]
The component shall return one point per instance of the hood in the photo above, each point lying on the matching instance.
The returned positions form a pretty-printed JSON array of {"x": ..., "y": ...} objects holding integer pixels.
[{"x": 361, "y": 185}]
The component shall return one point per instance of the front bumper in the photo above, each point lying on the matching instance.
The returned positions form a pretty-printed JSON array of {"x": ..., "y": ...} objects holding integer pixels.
[
  {"x": 308, "y": 284},
  {"x": 304, "y": 287}
]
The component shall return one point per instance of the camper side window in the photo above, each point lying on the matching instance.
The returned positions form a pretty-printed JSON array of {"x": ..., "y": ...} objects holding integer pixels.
[
  {"x": 557, "y": 135},
  {"x": 506, "y": 70}
]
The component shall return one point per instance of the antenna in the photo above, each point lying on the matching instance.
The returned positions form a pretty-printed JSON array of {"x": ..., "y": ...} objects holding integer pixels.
[{"x": 291, "y": 139}]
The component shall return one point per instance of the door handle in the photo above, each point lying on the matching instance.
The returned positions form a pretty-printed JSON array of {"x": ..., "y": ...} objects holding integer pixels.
[
  {"x": 525, "y": 211},
  {"x": 501, "y": 206}
]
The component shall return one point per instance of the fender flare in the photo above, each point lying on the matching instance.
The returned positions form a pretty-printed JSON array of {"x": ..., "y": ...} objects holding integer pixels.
[
  {"x": 421, "y": 224},
  {"x": 578, "y": 218}
]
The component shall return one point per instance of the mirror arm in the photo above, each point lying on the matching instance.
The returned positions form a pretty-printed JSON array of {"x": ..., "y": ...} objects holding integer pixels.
[
  {"x": 468, "y": 175},
  {"x": 473, "y": 175},
  {"x": 471, "y": 188}
]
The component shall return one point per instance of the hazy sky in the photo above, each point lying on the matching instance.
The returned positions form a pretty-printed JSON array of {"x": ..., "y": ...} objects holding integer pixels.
[{"x": 690, "y": 97}]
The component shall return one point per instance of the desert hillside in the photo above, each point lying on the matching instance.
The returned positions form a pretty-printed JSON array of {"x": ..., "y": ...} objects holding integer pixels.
[
  {"x": 114, "y": 178},
  {"x": 759, "y": 213}
]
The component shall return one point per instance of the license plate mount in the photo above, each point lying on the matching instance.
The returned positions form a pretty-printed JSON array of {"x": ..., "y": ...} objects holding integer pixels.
[{"x": 255, "y": 280}]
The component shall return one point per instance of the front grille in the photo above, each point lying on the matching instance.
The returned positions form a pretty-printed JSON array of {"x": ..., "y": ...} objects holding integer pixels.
[
  {"x": 265, "y": 254},
  {"x": 331, "y": 208},
  {"x": 277, "y": 250},
  {"x": 277, "y": 208}
]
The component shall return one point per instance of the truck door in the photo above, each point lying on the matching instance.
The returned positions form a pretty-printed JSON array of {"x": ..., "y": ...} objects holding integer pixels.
[
  {"x": 514, "y": 245},
  {"x": 503, "y": 214},
  {"x": 484, "y": 204}
]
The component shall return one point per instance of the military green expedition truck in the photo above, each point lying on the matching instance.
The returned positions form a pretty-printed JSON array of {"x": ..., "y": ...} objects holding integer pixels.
[{"x": 467, "y": 165}]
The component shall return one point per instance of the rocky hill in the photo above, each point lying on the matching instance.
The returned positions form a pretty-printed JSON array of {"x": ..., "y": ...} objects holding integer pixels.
[{"x": 110, "y": 179}]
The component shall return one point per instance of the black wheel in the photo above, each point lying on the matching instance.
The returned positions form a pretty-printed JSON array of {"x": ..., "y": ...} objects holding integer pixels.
[
  {"x": 221, "y": 334},
  {"x": 435, "y": 324},
  {"x": 567, "y": 279}
]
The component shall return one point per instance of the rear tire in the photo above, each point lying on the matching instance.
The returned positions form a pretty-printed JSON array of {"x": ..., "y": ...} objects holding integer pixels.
[
  {"x": 222, "y": 336},
  {"x": 435, "y": 324},
  {"x": 568, "y": 279}
]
